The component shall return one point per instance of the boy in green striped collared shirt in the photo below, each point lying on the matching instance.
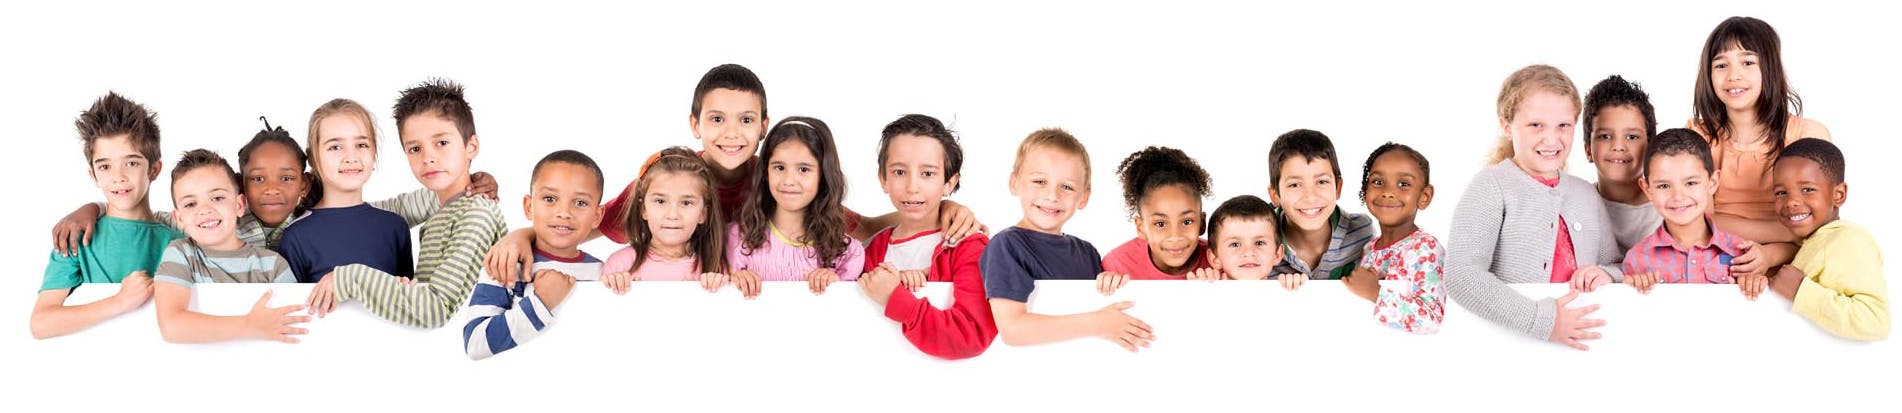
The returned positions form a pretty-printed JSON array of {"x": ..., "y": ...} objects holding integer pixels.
[{"x": 438, "y": 135}]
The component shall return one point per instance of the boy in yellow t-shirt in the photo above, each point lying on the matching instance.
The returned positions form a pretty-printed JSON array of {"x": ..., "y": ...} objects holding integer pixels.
[{"x": 1836, "y": 279}]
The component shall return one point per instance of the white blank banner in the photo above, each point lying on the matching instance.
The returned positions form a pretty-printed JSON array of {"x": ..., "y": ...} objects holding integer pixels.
[{"x": 1220, "y": 346}]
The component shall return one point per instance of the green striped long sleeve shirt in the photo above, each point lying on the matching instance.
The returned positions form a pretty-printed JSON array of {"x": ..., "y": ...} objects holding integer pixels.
[{"x": 453, "y": 243}]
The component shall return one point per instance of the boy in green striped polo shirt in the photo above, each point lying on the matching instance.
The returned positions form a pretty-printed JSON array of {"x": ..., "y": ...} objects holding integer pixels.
[{"x": 437, "y": 129}]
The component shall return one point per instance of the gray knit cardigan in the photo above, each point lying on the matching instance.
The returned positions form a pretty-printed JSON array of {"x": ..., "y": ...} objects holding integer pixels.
[{"x": 1504, "y": 231}]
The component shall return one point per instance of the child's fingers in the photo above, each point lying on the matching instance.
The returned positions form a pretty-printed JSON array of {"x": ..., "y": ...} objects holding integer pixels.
[
  {"x": 752, "y": 285},
  {"x": 1142, "y": 326},
  {"x": 1590, "y": 323},
  {"x": 1586, "y": 310},
  {"x": 1574, "y": 344},
  {"x": 1128, "y": 343},
  {"x": 1566, "y": 299},
  {"x": 61, "y": 240}
]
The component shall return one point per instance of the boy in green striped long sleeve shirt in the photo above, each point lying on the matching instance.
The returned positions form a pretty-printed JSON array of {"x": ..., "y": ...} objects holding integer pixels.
[{"x": 438, "y": 135}]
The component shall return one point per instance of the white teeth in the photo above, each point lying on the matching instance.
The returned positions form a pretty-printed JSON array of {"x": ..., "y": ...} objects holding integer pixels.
[{"x": 1799, "y": 217}]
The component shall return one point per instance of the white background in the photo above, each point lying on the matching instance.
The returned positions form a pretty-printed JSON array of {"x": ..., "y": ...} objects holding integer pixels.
[{"x": 1217, "y": 80}]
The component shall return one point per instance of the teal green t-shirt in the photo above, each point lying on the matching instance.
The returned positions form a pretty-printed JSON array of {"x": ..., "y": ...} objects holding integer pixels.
[{"x": 119, "y": 247}]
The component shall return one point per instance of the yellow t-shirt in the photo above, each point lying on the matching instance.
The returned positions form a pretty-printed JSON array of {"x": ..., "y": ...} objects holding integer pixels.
[{"x": 1843, "y": 290}]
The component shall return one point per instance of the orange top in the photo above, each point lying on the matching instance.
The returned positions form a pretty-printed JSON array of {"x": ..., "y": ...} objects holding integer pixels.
[{"x": 1743, "y": 177}]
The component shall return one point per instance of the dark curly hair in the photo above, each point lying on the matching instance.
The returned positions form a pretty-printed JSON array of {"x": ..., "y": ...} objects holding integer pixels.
[
  {"x": 1426, "y": 173},
  {"x": 1616, "y": 91},
  {"x": 1156, "y": 167},
  {"x": 1824, "y": 153},
  {"x": 277, "y": 135}
]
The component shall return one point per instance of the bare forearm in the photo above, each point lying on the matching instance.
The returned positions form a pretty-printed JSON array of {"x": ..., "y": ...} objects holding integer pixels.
[
  {"x": 184, "y": 326},
  {"x": 870, "y": 226},
  {"x": 57, "y": 320},
  {"x": 1764, "y": 232},
  {"x": 1027, "y": 329}
]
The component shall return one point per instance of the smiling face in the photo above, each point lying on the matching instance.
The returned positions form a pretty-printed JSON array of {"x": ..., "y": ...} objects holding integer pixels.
[
  {"x": 1617, "y": 139},
  {"x": 274, "y": 182},
  {"x": 438, "y": 156},
  {"x": 1737, "y": 76},
  {"x": 1805, "y": 197},
  {"x": 346, "y": 154},
  {"x": 913, "y": 176},
  {"x": 1541, "y": 131},
  {"x": 564, "y": 204},
  {"x": 1050, "y": 186},
  {"x": 207, "y": 206},
  {"x": 674, "y": 207},
  {"x": 1307, "y": 192},
  {"x": 1396, "y": 189},
  {"x": 792, "y": 173},
  {"x": 1170, "y": 219},
  {"x": 122, "y": 173},
  {"x": 729, "y": 127},
  {"x": 1680, "y": 188},
  {"x": 1247, "y": 249}
]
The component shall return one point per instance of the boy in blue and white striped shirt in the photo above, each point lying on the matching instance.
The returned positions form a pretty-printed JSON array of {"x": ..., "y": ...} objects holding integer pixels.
[{"x": 563, "y": 202}]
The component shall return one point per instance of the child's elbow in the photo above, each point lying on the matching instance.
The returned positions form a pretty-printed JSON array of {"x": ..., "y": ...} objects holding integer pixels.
[
  {"x": 170, "y": 331},
  {"x": 1010, "y": 336},
  {"x": 42, "y": 327},
  {"x": 172, "y": 335}
]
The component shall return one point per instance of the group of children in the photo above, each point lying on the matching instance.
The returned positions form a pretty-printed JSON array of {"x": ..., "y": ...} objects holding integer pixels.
[
  {"x": 1748, "y": 193},
  {"x": 1729, "y": 200}
]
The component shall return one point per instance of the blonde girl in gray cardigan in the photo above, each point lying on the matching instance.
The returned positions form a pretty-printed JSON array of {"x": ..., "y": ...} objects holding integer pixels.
[{"x": 1509, "y": 223}]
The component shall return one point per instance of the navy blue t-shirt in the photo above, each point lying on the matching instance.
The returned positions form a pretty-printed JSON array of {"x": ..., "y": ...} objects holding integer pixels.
[
  {"x": 1017, "y": 257},
  {"x": 326, "y": 238}
]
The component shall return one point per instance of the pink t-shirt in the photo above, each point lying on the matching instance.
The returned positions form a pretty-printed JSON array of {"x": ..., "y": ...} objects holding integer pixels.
[
  {"x": 1132, "y": 259},
  {"x": 654, "y": 269},
  {"x": 1564, "y": 260},
  {"x": 780, "y": 259}
]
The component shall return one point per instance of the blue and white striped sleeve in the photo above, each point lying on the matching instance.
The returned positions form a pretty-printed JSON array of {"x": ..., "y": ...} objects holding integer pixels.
[{"x": 501, "y": 318}]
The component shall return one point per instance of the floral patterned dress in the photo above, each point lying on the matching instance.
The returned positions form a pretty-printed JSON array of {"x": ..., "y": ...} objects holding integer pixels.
[{"x": 1419, "y": 303}]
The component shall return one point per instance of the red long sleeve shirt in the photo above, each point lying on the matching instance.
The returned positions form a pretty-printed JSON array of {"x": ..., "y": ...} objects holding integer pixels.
[{"x": 966, "y": 328}]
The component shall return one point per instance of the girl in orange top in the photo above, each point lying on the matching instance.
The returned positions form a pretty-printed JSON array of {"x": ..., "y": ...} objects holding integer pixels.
[{"x": 1746, "y": 109}]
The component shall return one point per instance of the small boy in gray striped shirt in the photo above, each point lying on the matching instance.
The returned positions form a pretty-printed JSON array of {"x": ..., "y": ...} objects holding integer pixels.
[{"x": 205, "y": 195}]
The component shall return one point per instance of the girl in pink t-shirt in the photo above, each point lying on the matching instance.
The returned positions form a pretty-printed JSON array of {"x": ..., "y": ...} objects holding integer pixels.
[{"x": 673, "y": 225}]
